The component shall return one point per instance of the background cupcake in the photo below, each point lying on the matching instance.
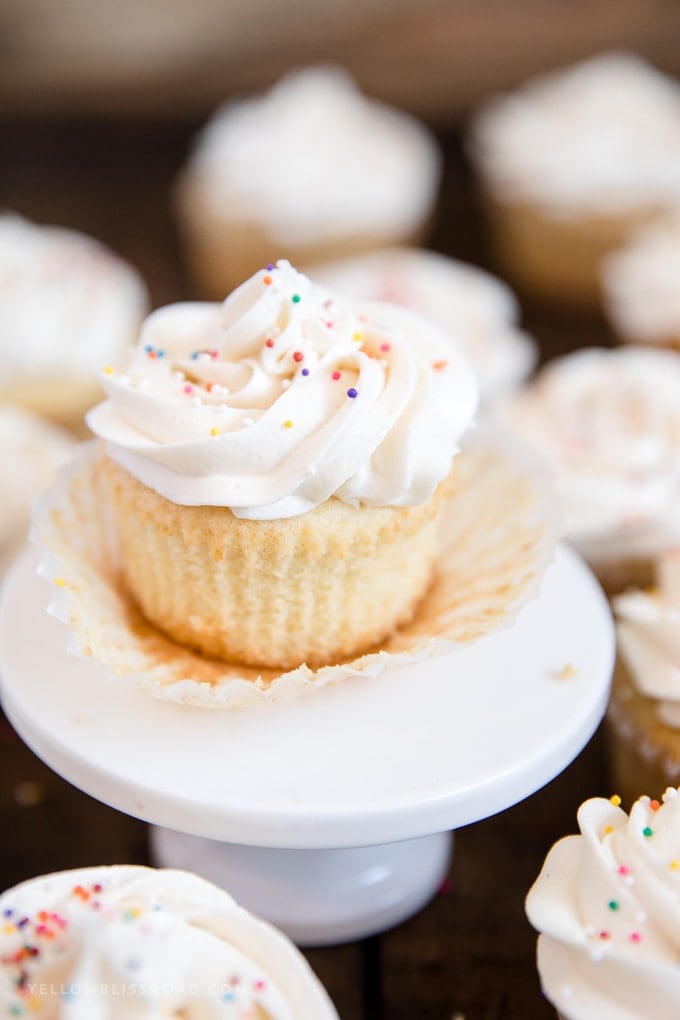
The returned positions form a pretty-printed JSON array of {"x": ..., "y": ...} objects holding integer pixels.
[
  {"x": 310, "y": 170},
  {"x": 644, "y": 713},
  {"x": 608, "y": 423},
  {"x": 640, "y": 285},
  {"x": 570, "y": 162},
  {"x": 31, "y": 448},
  {"x": 475, "y": 310},
  {"x": 154, "y": 942},
  {"x": 607, "y": 907},
  {"x": 68, "y": 305}
]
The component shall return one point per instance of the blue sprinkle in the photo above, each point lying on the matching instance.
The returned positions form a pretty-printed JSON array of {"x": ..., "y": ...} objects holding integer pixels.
[
  {"x": 351, "y": 392},
  {"x": 305, "y": 371}
]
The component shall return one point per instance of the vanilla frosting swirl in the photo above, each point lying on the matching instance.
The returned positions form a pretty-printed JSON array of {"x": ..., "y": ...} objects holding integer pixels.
[
  {"x": 608, "y": 422},
  {"x": 607, "y": 905},
  {"x": 600, "y": 136},
  {"x": 143, "y": 944},
  {"x": 314, "y": 159},
  {"x": 477, "y": 312},
  {"x": 282, "y": 397},
  {"x": 648, "y": 626}
]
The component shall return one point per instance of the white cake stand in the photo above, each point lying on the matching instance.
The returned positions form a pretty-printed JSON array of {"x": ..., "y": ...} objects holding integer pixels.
[{"x": 329, "y": 815}]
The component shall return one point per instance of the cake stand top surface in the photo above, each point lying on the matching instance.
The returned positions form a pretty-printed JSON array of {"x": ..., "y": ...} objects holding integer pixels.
[{"x": 416, "y": 750}]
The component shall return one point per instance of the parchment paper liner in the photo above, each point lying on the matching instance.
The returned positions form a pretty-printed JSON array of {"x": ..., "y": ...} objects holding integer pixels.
[{"x": 499, "y": 530}]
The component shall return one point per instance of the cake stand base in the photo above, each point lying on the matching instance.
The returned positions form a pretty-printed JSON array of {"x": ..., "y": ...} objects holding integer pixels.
[{"x": 318, "y": 897}]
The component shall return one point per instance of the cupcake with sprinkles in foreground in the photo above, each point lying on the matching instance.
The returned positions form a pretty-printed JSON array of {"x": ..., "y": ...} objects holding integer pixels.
[
  {"x": 477, "y": 311},
  {"x": 128, "y": 941},
  {"x": 607, "y": 907},
  {"x": 608, "y": 423},
  {"x": 644, "y": 712},
  {"x": 277, "y": 465},
  {"x": 68, "y": 305},
  {"x": 310, "y": 170}
]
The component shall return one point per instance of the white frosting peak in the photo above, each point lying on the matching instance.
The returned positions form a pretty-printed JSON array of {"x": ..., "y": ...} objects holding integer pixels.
[
  {"x": 602, "y": 135},
  {"x": 648, "y": 624},
  {"x": 476, "y": 311},
  {"x": 283, "y": 397},
  {"x": 134, "y": 943},
  {"x": 315, "y": 158},
  {"x": 608, "y": 422},
  {"x": 607, "y": 905}
]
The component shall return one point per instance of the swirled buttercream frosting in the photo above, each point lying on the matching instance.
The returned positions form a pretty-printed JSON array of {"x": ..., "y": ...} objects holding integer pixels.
[
  {"x": 648, "y": 626},
  {"x": 477, "y": 311},
  {"x": 607, "y": 906},
  {"x": 314, "y": 158},
  {"x": 134, "y": 943},
  {"x": 283, "y": 397},
  {"x": 600, "y": 136},
  {"x": 608, "y": 422}
]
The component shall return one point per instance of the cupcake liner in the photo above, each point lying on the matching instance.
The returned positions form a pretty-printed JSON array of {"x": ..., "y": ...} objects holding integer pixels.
[{"x": 499, "y": 532}]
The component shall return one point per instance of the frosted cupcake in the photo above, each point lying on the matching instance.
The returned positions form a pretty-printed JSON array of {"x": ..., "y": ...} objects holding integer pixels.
[
  {"x": 607, "y": 906},
  {"x": 312, "y": 170},
  {"x": 608, "y": 423},
  {"x": 277, "y": 464},
  {"x": 640, "y": 285},
  {"x": 644, "y": 714},
  {"x": 570, "y": 162},
  {"x": 127, "y": 941},
  {"x": 67, "y": 306},
  {"x": 476, "y": 311},
  {"x": 31, "y": 449}
]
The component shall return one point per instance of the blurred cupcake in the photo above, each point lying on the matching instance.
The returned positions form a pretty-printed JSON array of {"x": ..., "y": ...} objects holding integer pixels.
[
  {"x": 607, "y": 907},
  {"x": 644, "y": 714},
  {"x": 641, "y": 293},
  {"x": 31, "y": 448},
  {"x": 473, "y": 308},
  {"x": 570, "y": 163},
  {"x": 278, "y": 464},
  {"x": 67, "y": 306},
  {"x": 310, "y": 170},
  {"x": 608, "y": 423},
  {"x": 129, "y": 941}
]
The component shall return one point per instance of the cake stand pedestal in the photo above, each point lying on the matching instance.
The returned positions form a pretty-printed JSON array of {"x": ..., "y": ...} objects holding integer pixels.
[{"x": 329, "y": 815}]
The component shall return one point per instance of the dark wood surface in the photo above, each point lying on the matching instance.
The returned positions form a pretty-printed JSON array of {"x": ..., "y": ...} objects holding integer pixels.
[{"x": 469, "y": 955}]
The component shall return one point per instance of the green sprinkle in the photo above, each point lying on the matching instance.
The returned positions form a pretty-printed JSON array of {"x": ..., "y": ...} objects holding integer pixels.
[
  {"x": 295, "y": 298},
  {"x": 613, "y": 905},
  {"x": 647, "y": 831}
]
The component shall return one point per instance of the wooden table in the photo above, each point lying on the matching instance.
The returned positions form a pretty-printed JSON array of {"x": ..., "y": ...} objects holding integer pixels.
[{"x": 469, "y": 955}]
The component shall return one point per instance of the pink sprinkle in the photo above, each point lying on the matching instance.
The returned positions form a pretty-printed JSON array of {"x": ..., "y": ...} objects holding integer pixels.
[
  {"x": 385, "y": 347},
  {"x": 336, "y": 374},
  {"x": 269, "y": 342},
  {"x": 624, "y": 870},
  {"x": 635, "y": 936},
  {"x": 188, "y": 388},
  {"x": 260, "y": 985}
]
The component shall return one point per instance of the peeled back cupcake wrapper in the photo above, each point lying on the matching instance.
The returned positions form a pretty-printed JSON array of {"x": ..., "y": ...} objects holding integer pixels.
[{"x": 498, "y": 531}]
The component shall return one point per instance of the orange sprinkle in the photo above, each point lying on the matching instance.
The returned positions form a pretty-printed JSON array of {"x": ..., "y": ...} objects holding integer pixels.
[
  {"x": 654, "y": 805},
  {"x": 266, "y": 280},
  {"x": 439, "y": 365}
]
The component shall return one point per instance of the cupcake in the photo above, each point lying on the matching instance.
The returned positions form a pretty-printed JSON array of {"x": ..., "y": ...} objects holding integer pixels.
[
  {"x": 67, "y": 306},
  {"x": 312, "y": 170},
  {"x": 477, "y": 311},
  {"x": 31, "y": 448},
  {"x": 640, "y": 285},
  {"x": 607, "y": 907},
  {"x": 608, "y": 423},
  {"x": 129, "y": 941},
  {"x": 277, "y": 465},
  {"x": 569, "y": 163},
  {"x": 644, "y": 713}
]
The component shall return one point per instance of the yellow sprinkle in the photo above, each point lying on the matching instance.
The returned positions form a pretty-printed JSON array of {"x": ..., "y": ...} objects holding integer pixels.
[
  {"x": 288, "y": 424},
  {"x": 357, "y": 336},
  {"x": 34, "y": 1004},
  {"x": 608, "y": 829},
  {"x": 8, "y": 929},
  {"x": 214, "y": 431},
  {"x": 108, "y": 370},
  {"x": 60, "y": 582},
  {"x": 674, "y": 865},
  {"x": 615, "y": 800}
]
